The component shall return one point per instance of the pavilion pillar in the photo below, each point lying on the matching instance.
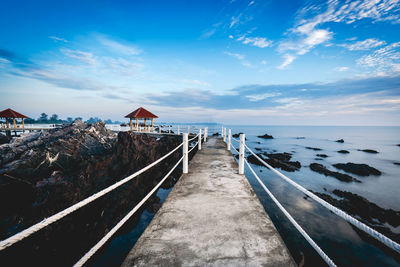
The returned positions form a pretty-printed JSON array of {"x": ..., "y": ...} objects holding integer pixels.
[
  {"x": 23, "y": 124},
  {"x": 15, "y": 125},
  {"x": 152, "y": 124},
  {"x": 137, "y": 124},
  {"x": 144, "y": 124},
  {"x": 130, "y": 123}
]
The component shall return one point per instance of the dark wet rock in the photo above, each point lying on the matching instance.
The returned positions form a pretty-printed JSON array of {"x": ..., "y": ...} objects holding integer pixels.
[
  {"x": 318, "y": 159},
  {"x": 371, "y": 151},
  {"x": 266, "y": 136},
  {"x": 322, "y": 155},
  {"x": 314, "y": 148},
  {"x": 253, "y": 160},
  {"x": 45, "y": 172},
  {"x": 339, "y": 141},
  {"x": 236, "y": 135},
  {"x": 396, "y": 163},
  {"x": 215, "y": 134},
  {"x": 358, "y": 206},
  {"x": 359, "y": 169},
  {"x": 257, "y": 148},
  {"x": 300, "y": 137},
  {"x": 4, "y": 139},
  {"x": 282, "y": 161},
  {"x": 398, "y": 144},
  {"x": 343, "y": 151},
  {"x": 340, "y": 176}
]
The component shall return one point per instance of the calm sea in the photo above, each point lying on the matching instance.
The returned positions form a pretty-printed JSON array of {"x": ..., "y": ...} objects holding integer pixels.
[{"x": 337, "y": 238}]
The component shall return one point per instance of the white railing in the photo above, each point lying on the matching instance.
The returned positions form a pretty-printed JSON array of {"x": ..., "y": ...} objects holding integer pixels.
[
  {"x": 37, "y": 227},
  {"x": 380, "y": 237}
]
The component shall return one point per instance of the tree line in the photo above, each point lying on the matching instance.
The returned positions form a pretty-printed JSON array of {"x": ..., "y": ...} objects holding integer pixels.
[{"x": 54, "y": 119}]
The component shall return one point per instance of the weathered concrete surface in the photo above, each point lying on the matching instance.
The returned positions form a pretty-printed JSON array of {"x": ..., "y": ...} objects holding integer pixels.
[{"x": 211, "y": 217}]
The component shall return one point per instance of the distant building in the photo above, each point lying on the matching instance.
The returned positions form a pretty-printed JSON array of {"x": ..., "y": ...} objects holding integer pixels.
[
  {"x": 141, "y": 114},
  {"x": 12, "y": 114}
]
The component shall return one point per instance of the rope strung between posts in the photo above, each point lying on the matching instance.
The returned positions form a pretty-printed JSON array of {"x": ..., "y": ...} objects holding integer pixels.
[
  {"x": 237, "y": 140},
  {"x": 40, "y": 225},
  {"x": 293, "y": 221},
  {"x": 194, "y": 137},
  {"x": 195, "y": 145},
  {"x": 378, "y": 236},
  {"x": 94, "y": 249},
  {"x": 234, "y": 149}
]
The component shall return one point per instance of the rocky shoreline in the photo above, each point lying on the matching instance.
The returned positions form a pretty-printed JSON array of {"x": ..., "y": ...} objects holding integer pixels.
[{"x": 45, "y": 172}]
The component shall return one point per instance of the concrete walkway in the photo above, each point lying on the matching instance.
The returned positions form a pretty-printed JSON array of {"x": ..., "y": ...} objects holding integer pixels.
[{"x": 212, "y": 217}]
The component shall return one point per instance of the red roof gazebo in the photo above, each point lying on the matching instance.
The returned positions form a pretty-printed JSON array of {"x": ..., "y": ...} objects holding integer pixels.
[
  {"x": 141, "y": 113},
  {"x": 12, "y": 114}
]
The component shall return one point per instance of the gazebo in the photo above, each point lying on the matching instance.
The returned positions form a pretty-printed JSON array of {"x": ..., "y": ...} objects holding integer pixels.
[
  {"x": 12, "y": 114},
  {"x": 141, "y": 114}
]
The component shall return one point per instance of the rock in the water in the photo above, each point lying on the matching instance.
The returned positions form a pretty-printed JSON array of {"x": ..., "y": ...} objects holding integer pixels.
[
  {"x": 396, "y": 163},
  {"x": 339, "y": 141},
  {"x": 4, "y": 139},
  {"x": 215, "y": 134},
  {"x": 282, "y": 161},
  {"x": 359, "y": 169},
  {"x": 322, "y": 155},
  {"x": 314, "y": 148},
  {"x": 236, "y": 135},
  {"x": 343, "y": 151},
  {"x": 266, "y": 136},
  {"x": 340, "y": 176},
  {"x": 371, "y": 151},
  {"x": 300, "y": 137},
  {"x": 361, "y": 207}
]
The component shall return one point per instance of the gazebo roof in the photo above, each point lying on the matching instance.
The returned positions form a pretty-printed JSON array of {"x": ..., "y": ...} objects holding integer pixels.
[
  {"x": 9, "y": 113},
  {"x": 141, "y": 113}
]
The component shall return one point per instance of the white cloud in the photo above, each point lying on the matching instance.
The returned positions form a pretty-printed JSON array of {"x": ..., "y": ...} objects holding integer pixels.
[
  {"x": 235, "y": 55},
  {"x": 234, "y": 21},
  {"x": 255, "y": 98},
  {"x": 364, "y": 45},
  {"x": 260, "y": 42},
  {"x": 3, "y": 60},
  {"x": 119, "y": 47},
  {"x": 263, "y": 62},
  {"x": 342, "y": 69},
  {"x": 196, "y": 82},
  {"x": 383, "y": 61},
  {"x": 288, "y": 59},
  {"x": 251, "y": 3},
  {"x": 86, "y": 57},
  {"x": 59, "y": 39},
  {"x": 230, "y": 36}
]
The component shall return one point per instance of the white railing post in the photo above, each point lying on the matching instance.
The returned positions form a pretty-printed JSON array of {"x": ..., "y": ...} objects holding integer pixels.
[
  {"x": 169, "y": 128},
  {"x": 223, "y": 134},
  {"x": 228, "y": 144},
  {"x": 241, "y": 153},
  {"x": 205, "y": 134},
  {"x": 178, "y": 130},
  {"x": 185, "y": 153},
  {"x": 188, "y": 129},
  {"x": 200, "y": 139}
]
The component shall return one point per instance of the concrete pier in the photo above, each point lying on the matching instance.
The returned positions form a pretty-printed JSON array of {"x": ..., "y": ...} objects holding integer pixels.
[{"x": 212, "y": 217}]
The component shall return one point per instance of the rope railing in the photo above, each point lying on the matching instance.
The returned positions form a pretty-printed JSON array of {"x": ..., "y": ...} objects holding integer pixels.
[
  {"x": 194, "y": 146},
  {"x": 96, "y": 247},
  {"x": 293, "y": 221},
  {"x": 47, "y": 221},
  {"x": 380, "y": 237}
]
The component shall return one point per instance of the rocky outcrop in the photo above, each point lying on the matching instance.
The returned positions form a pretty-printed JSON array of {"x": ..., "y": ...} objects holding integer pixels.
[
  {"x": 266, "y": 136},
  {"x": 370, "y": 213},
  {"x": 277, "y": 160},
  {"x": 314, "y": 148},
  {"x": 343, "y": 151},
  {"x": 45, "y": 172},
  {"x": 322, "y": 155},
  {"x": 359, "y": 169},
  {"x": 4, "y": 139},
  {"x": 371, "y": 151},
  {"x": 340, "y": 176},
  {"x": 339, "y": 141}
]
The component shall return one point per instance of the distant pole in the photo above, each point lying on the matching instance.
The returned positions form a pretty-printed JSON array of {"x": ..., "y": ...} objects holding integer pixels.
[
  {"x": 185, "y": 153},
  {"x": 241, "y": 153},
  {"x": 229, "y": 140},
  {"x": 200, "y": 139},
  {"x": 178, "y": 130}
]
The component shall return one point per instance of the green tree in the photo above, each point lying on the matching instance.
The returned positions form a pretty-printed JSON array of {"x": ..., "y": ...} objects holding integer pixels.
[{"x": 43, "y": 117}]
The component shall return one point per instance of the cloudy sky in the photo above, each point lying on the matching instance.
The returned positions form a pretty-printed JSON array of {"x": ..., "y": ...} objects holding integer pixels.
[{"x": 230, "y": 61}]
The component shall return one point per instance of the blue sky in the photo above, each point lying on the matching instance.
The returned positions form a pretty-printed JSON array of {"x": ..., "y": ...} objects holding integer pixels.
[{"x": 234, "y": 62}]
